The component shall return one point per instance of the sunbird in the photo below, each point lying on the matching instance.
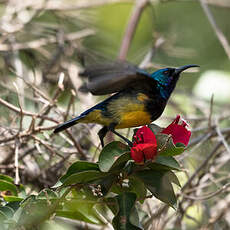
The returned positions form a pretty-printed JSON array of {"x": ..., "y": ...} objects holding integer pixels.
[{"x": 139, "y": 97}]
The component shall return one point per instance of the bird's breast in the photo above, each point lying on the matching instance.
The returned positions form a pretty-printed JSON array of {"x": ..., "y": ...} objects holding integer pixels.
[
  {"x": 134, "y": 119},
  {"x": 130, "y": 111}
]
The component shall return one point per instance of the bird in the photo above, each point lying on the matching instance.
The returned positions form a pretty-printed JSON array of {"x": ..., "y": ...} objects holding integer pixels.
[{"x": 138, "y": 97}]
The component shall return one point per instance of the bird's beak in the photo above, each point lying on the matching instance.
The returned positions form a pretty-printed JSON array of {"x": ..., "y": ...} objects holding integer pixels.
[{"x": 182, "y": 68}]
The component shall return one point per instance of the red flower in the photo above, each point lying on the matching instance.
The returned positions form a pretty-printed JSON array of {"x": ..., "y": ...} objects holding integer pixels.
[
  {"x": 144, "y": 145},
  {"x": 179, "y": 132}
]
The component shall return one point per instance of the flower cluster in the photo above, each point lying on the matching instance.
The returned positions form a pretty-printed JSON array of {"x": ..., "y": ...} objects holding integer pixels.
[{"x": 145, "y": 143}]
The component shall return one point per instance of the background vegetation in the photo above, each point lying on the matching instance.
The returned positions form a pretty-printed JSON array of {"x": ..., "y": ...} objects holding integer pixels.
[{"x": 42, "y": 45}]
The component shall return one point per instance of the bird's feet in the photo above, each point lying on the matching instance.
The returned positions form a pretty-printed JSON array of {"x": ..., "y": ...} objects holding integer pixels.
[{"x": 102, "y": 133}]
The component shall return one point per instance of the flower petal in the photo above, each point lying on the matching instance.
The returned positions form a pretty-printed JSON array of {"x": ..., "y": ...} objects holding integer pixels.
[
  {"x": 145, "y": 135},
  {"x": 137, "y": 155},
  {"x": 144, "y": 145},
  {"x": 142, "y": 152},
  {"x": 150, "y": 151},
  {"x": 179, "y": 133}
]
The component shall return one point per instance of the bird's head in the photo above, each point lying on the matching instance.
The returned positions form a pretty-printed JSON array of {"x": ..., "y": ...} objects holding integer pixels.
[{"x": 167, "y": 78}]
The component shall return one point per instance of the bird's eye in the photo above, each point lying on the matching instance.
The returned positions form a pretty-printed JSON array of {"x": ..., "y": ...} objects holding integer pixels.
[{"x": 166, "y": 72}]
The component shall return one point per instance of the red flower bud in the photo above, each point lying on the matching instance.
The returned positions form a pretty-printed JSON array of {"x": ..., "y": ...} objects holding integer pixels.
[
  {"x": 179, "y": 132},
  {"x": 144, "y": 145}
]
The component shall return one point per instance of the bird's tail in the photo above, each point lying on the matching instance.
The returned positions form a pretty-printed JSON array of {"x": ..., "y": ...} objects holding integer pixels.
[{"x": 67, "y": 124}]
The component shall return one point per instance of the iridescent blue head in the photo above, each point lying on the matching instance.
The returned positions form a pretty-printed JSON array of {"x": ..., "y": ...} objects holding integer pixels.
[{"x": 167, "y": 79}]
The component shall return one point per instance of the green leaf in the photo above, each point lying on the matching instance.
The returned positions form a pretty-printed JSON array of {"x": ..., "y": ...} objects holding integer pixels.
[
  {"x": 165, "y": 163},
  {"x": 173, "y": 178},
  {"x": 28, "y": 199},
  {"x": 84, "y": 177},
  {"x": 159, "y": 183},
  {"x": 106, "y": 183},
  {"x": 81, "y": 207},
  {"x": 46, "y": 194},
  {"x": 12, "y": 198},
  {"x": 120, "y": 162},
  {"x": 166, "y": 146},
  {"x": 79, "y": 166},
  {"x": 7, "y": 186},
  {"x": 117, "y": 189},
  {"x": 9, "y": 212},
  {"x": 58, "y": 184},
  {"x": 76, "y": 215},
  {"x": 137, "y": 186},
  {"x": 34, "y": 211},
  {"x": 129, "y": 167},
  {"x": 126, "y": 204},
  {"x": 112, "y": 204},
  {"x": 155, "y": 128},
  {"x": 91, "y": 216},
  {"x": 3, "y": 217},
  {"x": 6, "y": 178},
  {"x": 110, "y": 154},
  {"x": 14, "y": 205}
]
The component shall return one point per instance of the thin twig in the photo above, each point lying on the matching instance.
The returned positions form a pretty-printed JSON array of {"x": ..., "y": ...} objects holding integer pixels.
[
  {"x": 82, "y": 155},
  {"x": 17, "y": 178},
  {"x": 214, "y": 219},
  {"x": 147, "y": 59},
  {"x": 46, "y": 109},
  {"x": 131, "y": 27},
  {"x": 21, "y": 111},
  {"x": 207, "y": 159},
  {"x": 209, "y": 196},
  {"x": 223, "y": 140},
  {"x": 223, "y": 40},
  {"x": 71, "y": 102},
  {"x": 210, "y": 112},
  {"x": 25, "y": 113},
  {"x": 45, "y": 41}
]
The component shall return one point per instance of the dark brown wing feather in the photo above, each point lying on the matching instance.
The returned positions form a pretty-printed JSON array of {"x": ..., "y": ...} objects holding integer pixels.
[{"x": 111, "y": 77}]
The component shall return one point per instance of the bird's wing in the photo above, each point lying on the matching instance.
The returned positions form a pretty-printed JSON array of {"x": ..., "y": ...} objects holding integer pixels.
[{"x": 112, "y": 77}]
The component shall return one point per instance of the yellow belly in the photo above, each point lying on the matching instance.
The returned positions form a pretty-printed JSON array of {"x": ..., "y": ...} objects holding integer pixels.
[
  {"x": 131, "y": 113},
  {"x": 96, "y": 117},
  {"x": 134, "y": 119},
  {"x": 126, "y": 119},
  {"x": 126, "y": 112}
]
